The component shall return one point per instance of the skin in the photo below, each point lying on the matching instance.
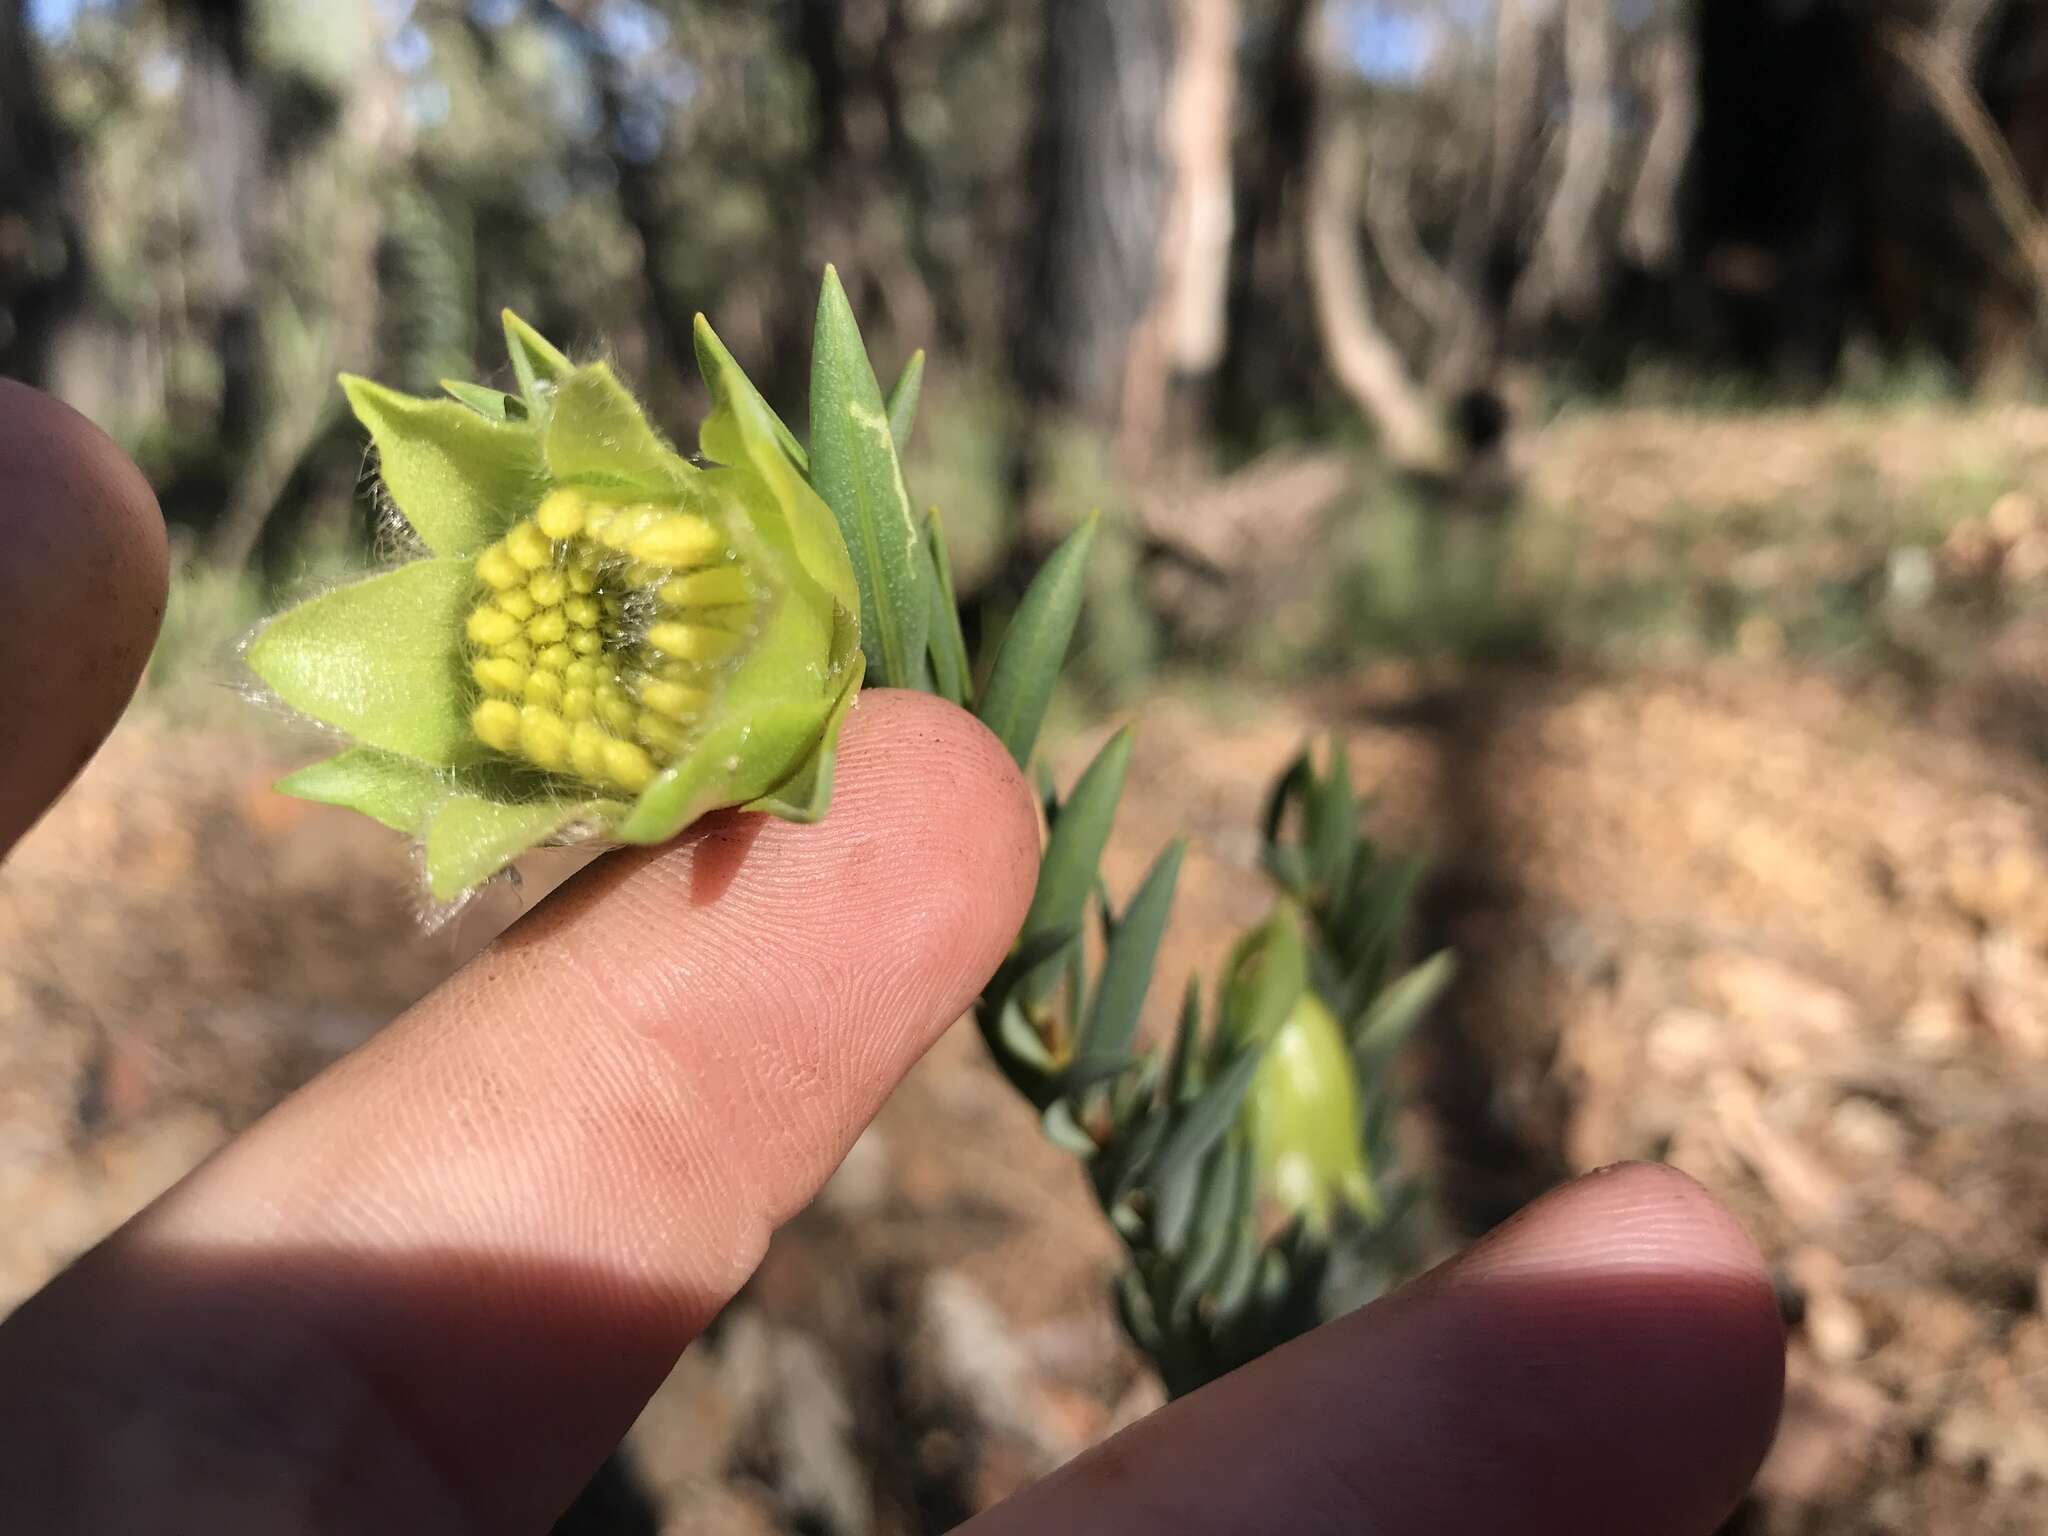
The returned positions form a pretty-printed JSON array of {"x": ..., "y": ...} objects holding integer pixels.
[{"x": 432, "y": 1289}]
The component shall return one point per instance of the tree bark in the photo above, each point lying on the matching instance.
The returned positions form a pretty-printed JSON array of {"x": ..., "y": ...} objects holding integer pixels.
[
  {"x": 1183, "y": 334},
  {"x": 42, "y": 261},
  {"x": 1359, "y": 353},
  {"x": 1565, "y": 272},
  {"x": 1102, "y": 182}
]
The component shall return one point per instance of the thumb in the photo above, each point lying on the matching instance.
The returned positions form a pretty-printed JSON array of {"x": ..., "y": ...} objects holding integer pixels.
[
  {"x": 1611, "y": 1360},
  {"x": 83, "y": 573}
]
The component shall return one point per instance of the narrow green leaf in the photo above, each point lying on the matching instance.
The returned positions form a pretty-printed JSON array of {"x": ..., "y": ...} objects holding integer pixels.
[
  {"x": 459, "y": 479},
  {"x": 1021, "y": 1041},
  {"x": 1226, "y": 1191},
  {"x": 1132, "y": 1156},
  {"x": 903, "y": 400},
  {"x": 1034, "y": 647},
  {"x": 491, "y": 404},
  {"x": 381, "y": 660},
  {"x": 950, "y": 666},
  {"x": 1232, "y": 1287},
  {"x": 725, "y": 376},
  {"x": 1387, "y": 1024},
  {"x": 1035, "y": 952},
  {"x": 1134, "y": 1308},
  {"x": 855, "y": 469},
  {"x": 394, "y": 790},
  {"x": 1180, "y": 1072},
  {"x": 1086, "y": 1072},
  {"x": 1127, "y": 966},
  {"x": 1203, "y": 1125},
  {"x": 1066, "y": 875},
  {"x": 1064, "y": 1131},
  {"x": 538, "y": 363},
  {"x": 1332, "y": 832}
]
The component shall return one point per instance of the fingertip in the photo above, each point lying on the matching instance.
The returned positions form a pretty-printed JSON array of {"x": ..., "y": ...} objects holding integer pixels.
[
  {"x": 948, "y": 808},
  {"x": 82, "y": 591},
  {"x": 1645, "y": 1319}
]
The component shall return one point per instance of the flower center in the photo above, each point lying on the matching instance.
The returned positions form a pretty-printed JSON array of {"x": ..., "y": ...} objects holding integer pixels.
[{"x": 601, "y": 635}]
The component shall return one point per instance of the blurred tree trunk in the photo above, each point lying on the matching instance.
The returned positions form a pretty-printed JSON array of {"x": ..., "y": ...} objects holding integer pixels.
[
  {"x": 1102, "y": 183},
  {"x": 1182, "y": 336},
  {"x": 226, "y": 140},
  {"x": 42, "y": 271},
  {"x": 1270, "y": 333}
]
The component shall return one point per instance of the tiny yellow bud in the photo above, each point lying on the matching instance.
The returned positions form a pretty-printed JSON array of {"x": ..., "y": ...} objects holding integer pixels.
[
  {"x": 717, "y": 588},
  {"x": 674, "y": 700},
  {"x": 556, "y": 658},
  {"x": 584, "y": 674},
  {"x": 621, "y": 525},
  {"x": 519, "y": 604},
  {"x": 548, "y": 628},
  {"x": 492, "y": 626},
  {"x": 681, "y": 539},
  {"x": 579, "y": 703},
  {"x": 562, "y": 514},
  {"x": 544, "y": 688},
  {"x": 585, "y": 642},
  {"x": 548, "y": 587},
  {"x": 516, "y": 649},
  {"x": 544, "y": 737},
  {"x": 583, "y": 611},
  {"x": 500, "y": 675},
  {"x": 692, "y": 642},
  {"x": 583, "y": 577},
  {"x": 629, "y": 766},
  {"x": 498, "y": 570},
  {"x": 529, "y": 546},
  {"x": 615, "y": 709},
  {"x": 660, "y": 733},
  {"x": 586, "y": 750},
  {"x": 496, "y": 724}
]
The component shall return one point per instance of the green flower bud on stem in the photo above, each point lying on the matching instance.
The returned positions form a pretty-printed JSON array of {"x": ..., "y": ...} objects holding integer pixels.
[
  {"x": 604, "y": 641},
  {"x": 1302, "y": 1111}
]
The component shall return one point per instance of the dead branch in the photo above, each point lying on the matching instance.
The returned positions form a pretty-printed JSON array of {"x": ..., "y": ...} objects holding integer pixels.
[
  {"x": 1414, "y": 273},
  {"x": 1649, "y": 229},
  {"x": 1358, "y": 351},
  {"x": 1949, "y": 92},
  {"x": 1564, "y": 272}
]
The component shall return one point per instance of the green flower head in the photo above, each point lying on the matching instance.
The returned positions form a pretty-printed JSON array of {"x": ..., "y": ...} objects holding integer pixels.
[
  {"x": 1302, "y": 1109},
  {"x": 603, "y": 639}
]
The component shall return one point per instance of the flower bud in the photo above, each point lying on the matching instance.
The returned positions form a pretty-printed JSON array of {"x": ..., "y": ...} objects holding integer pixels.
[
  {"x": 1302, "y": 1110},
  {"x": 604, "y": 640}
]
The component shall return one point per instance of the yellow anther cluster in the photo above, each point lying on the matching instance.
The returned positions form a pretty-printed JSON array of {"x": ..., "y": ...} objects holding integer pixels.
[{"x": 600, "y": 636}]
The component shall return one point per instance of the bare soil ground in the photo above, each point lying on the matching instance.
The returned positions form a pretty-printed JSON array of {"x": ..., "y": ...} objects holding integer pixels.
[{"x": 1785, "y": 928}]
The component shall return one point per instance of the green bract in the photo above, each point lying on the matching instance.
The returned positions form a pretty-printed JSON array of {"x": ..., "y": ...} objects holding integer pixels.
[
  {"x": 603, "y": 640},
  {"x": 1302, "y": 1110}
]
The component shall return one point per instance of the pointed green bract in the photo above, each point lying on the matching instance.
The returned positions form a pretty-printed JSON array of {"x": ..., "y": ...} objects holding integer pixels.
[
  {"x": 951, "y": 670},
  {"x": 855, "y": 469},
  {"x": 457, "y": 477},
  {"x": 730, "y": 385},
  {"x": 470, "y": 838},
  {"x": 380, "y": 659},
  {"x": 538, "y": 362},
  {"x": 597, "y": 435},
  {"x": 395, "y": 790},
  {"x": 491, "y": 404}
]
